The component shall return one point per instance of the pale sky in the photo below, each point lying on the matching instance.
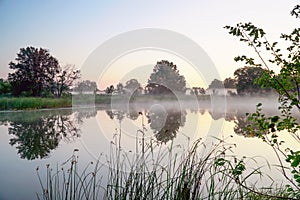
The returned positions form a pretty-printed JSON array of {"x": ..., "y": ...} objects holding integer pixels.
[{"x": 72, "y": 30}]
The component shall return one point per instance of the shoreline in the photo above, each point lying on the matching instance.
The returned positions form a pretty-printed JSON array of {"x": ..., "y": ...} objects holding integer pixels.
[{"x": 17, "y": 104}]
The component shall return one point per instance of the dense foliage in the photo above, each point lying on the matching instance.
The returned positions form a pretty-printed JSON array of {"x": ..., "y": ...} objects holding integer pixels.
[
  {"x": 165, "y": 78},
  {"x": 5, "y": 87},
  {"x": 34, "y": 71},
  {"x": 246, "y": 80},
  {"x": 37, "y": 73},
  {"x": 286, "y": 83}
]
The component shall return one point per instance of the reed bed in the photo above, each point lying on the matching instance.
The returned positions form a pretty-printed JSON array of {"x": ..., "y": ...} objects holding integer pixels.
[{"x": 155, "y": 171}]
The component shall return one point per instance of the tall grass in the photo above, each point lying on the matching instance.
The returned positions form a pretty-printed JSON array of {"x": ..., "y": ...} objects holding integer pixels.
[
  {"x": 202, "y": 171},
  {"x": 23, "y": 103},
  {"x": 67, "y": 183}
]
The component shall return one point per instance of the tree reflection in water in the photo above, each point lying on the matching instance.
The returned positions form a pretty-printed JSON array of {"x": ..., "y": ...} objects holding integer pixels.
[
  {"x": 165, "y": 124},
  {"x": 35, "y": 134},
  {"x": 34, "y": 139}
]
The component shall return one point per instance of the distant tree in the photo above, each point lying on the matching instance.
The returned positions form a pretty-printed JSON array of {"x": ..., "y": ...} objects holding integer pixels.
[
  {"x": 64, "y": 79},
  {"x": 86, "y": 86},
  {"x": 120, "y": 88},
  {"x": 109, "y": 90},
  {"x": 132, "y": 86},
  {"x": 5, "y": 87},
  {"x": 216, "y": 84},
  {"x": 34, "y": 71},
  {"x": 230, "y": 83},
  {"x": 166, "y": 78},
  {"x": 155, "y": 89},
  {"x": 198, "y": 90},
  {"x": 246, "y": 78}
]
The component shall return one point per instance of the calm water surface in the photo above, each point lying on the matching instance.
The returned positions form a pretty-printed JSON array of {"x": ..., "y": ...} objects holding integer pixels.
[{"x": 31, "y": 139}]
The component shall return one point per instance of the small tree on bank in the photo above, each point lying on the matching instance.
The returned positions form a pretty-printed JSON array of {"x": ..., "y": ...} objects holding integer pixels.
[
  {"x": 109, "y": 90},
  {"x": 63, "y": 80}
]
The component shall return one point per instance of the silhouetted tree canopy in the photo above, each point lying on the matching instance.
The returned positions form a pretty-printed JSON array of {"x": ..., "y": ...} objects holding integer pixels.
[
  {"x": 5, "y": 87},
  {"x": 216, "y": 84},
  {"x": 197, "y": 91},
  {"x": 37, "y": 73},
  {"x": 230, "y": 83},
  {"x": 109, "y": 90},
  {"x": 34, "y": 71},
  {"x": 120, "y": 88},
  {"x": 166, "y": 78},
  {"x": 132, "y": 86},
  {"x": 246, "y": 80}
]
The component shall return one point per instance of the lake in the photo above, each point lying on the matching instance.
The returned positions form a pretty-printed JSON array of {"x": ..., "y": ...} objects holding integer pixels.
[{"x": 31, "y": 139}]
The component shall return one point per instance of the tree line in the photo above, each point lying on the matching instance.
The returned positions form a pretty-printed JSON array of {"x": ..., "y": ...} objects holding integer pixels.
[
  {"x": 36, "y": 73},
  {"x": 166, "y": 79}
]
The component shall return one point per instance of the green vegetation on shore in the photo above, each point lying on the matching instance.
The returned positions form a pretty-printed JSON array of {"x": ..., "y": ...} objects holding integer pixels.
[
  {"x": 27, "y": 103},
  {"x": 33, "y": 103}
]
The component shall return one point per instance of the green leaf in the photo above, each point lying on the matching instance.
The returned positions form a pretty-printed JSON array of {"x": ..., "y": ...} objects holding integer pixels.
[{"x": 274, "y": 119}]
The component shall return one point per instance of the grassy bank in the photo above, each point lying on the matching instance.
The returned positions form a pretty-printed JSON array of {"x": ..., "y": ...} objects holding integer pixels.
[
  {"x": 33, "y": 103},
  {"x": 27, "y": 103}
]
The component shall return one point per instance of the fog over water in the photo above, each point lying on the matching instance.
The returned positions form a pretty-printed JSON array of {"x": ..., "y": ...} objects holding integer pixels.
[{"x": 93, "y": 129}]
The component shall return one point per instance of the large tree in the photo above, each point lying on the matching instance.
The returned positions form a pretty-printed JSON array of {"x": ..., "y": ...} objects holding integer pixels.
[
  {"x": 34, "y": 71},
  {"x": 166, "y": 78}
]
